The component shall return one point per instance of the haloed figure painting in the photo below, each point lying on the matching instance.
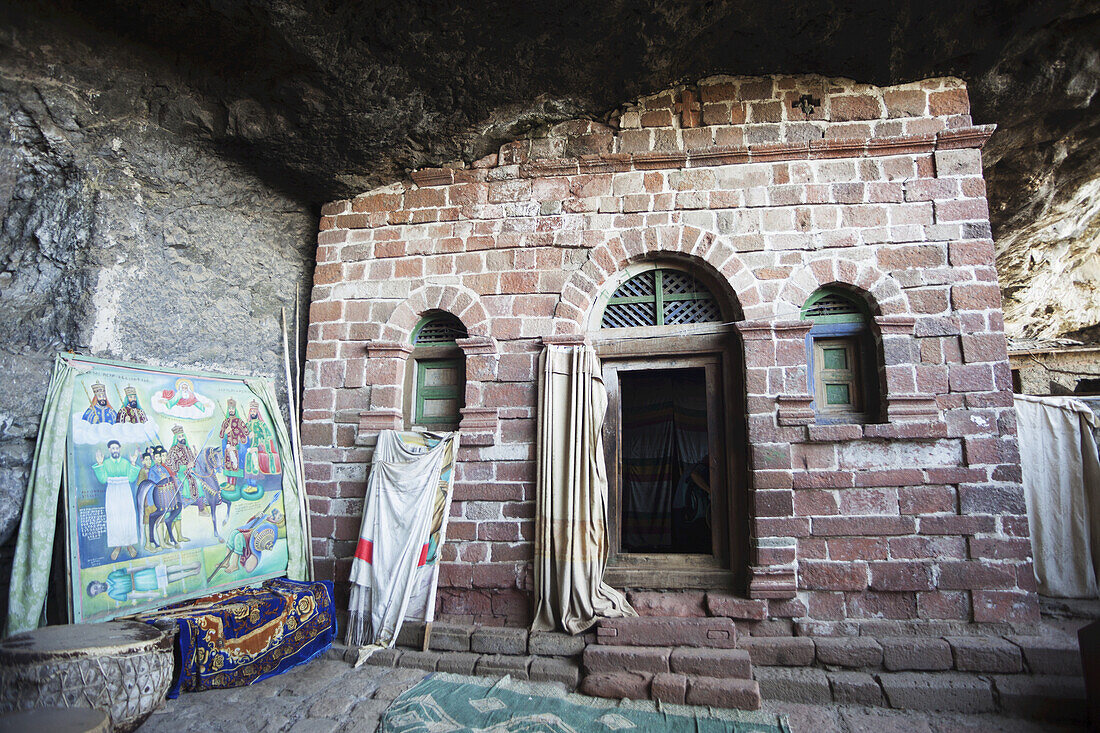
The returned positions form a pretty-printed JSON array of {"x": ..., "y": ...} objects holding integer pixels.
[{"x": 174, "y": 488}]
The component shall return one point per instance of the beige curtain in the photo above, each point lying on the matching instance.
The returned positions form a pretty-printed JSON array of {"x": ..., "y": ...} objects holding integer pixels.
[
  {"x": 1061, "y": 472},
  {"x": 571, "y": 488}
]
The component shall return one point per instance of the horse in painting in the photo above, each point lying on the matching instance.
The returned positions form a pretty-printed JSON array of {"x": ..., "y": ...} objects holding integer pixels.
[{"x": 161, "y": 504}]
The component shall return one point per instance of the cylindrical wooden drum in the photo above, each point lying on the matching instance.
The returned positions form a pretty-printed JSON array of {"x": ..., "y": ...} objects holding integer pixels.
[{"x": 123, "y": 668}]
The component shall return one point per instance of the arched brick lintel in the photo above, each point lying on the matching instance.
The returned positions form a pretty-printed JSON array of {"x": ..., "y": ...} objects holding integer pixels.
[
  {"x": 706, "y": 249},
  {"x": 884, "y": 294},
  {"x": 459, "y": 301}
]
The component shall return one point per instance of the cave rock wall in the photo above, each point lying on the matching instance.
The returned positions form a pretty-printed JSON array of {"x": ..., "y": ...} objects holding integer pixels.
[{"x": 121, "y": 239}]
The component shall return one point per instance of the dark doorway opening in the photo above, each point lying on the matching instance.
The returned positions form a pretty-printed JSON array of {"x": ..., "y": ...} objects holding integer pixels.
[{"x": 666, "y": 442}]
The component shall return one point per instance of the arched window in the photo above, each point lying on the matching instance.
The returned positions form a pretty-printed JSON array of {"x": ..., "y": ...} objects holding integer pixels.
[
  {"x": 439, "y": 373},
  {"x": 843, "y": 369},
  {"x": 660, "y": 297}
]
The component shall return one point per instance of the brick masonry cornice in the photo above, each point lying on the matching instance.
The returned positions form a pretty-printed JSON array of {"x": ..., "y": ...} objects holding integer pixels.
[{"x": 346, "y": 215}]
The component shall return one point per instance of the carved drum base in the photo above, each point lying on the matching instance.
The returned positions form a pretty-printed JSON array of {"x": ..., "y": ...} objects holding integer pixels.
[{"x": 123, "y": 668}]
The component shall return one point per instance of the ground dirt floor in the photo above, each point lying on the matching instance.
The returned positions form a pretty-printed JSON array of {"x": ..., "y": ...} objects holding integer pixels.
[{"x": 328, "y": 695}]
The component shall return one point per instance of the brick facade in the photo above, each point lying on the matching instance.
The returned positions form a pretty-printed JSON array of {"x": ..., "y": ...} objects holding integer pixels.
[{"x": 919, "y": 516}]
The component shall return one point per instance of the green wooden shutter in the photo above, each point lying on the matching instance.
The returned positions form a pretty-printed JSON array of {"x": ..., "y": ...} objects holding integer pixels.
[
  {"x": 836, "y": 375},
  {"x": 440, "y": 387}
]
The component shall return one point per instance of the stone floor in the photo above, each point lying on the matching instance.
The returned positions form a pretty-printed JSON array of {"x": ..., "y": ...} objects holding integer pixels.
[{"x": 327, "y": 695}]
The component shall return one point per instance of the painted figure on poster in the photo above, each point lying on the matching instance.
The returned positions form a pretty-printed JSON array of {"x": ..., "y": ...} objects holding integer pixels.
[
  {"x": 131, "y": 411},
  {"x": 185, "y": 395},
  {"x": 262, "y": 457},
  {"x": 180, "y": 463},
  {"x": 182, "y": 402},
  {"x": 100, "y": 410},
  {"x": 126, "y": 583},
  {"x": 207, "y": 464},
  {"x": 234, "y": 435},
  {"x": 118, "y": 473},
  {"x": 247, "y": 543},
  {"x": 146, "y": 465},
  {"x": 165, "y": 506}
]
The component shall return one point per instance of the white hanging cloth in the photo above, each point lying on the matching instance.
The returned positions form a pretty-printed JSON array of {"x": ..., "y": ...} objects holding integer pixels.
[
  {"x": 392, "y": 562},
  {"x": 1061, "y": 477}
]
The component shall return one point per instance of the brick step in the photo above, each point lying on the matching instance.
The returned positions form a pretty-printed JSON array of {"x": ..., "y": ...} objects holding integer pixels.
[
  {"x": 523, "y": 667},
  {"x": 697, "y": 605},
  {"x": 733, "y": 663},
  {"x": 1057, "y": 655},
  {"x": 446, "y": 637},
  {"x": 741, "y": 694},
  {"x": 1046, "y": 697},
  {"x": 719, "y": 633}
]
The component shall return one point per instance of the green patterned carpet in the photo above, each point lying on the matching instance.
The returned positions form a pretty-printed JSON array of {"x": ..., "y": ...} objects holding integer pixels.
[{"x": 445, "y": 703}]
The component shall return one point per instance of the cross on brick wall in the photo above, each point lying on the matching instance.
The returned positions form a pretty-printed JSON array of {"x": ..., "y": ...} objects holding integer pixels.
[{"x": 689, "y": 109}]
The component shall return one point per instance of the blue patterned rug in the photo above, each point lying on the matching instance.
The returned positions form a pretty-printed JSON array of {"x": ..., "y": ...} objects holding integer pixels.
[
  {"x": 236, "y": 637},
  {"x": 445, "y": 703}
]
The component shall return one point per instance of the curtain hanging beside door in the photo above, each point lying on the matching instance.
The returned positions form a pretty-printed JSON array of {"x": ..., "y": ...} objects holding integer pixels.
[{"x": 571, "y": 542}]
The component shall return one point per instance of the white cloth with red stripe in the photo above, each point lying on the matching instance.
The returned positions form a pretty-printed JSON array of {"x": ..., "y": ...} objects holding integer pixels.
[{"x": 393, "y": 538}]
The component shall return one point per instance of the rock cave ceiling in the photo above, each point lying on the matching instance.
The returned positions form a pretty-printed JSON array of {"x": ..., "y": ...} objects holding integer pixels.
[{"x": 323, "y": 99}]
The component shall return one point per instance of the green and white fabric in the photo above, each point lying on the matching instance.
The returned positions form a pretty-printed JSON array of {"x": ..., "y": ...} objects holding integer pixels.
[
  {"x": 446, "y": 703},
  {"x": 297, "y": 538},
  {"x": 30, "y": 570}
]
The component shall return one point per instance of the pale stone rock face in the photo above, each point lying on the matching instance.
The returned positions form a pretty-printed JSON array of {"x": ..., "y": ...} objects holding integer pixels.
[{"x": 120, "y": 239}]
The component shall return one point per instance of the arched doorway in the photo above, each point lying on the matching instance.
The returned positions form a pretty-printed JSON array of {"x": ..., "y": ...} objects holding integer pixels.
[{"x": 674, "y": 435}]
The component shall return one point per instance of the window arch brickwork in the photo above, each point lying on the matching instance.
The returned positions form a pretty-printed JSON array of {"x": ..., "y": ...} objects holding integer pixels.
[
  {"x": 611, "y": 257},
  {"x": 387, "y": 360}
]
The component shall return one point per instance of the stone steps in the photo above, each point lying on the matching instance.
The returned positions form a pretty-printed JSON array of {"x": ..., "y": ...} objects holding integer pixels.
[
  {"x": 1034, "y": 655},
  {"x": 712, "y": 632},
  {"x": 706, "y": 661},
  {"x": 1047, "y": 697},
  {"x": 657, "y": 659},
  {"x": 698, "y": 676},
  {"x": 541, "y": 656},
  {"x": 674, "y": 688}
]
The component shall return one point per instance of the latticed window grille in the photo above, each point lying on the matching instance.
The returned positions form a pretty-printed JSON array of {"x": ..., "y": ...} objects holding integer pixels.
[
  {"x": 830, "y": 306},
  {"x": 660, "y": 297},
  {"x": 439, "y": 329}
]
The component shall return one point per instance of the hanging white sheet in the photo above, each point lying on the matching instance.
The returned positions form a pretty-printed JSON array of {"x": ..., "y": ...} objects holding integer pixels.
[
  {"x": 1061, "y": 477},
  {"x": 396, "y": 563}
]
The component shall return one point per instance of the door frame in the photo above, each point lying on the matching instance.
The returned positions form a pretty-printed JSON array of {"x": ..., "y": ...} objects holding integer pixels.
[{"x": 726, "y": 568}]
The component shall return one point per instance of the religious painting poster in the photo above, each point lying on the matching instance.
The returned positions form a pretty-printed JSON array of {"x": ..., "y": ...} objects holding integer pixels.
[{"x": 173, "y": 486}]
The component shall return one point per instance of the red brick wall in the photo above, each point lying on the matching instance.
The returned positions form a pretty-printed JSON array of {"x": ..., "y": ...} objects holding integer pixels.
[{"x": 918, "y": 517}]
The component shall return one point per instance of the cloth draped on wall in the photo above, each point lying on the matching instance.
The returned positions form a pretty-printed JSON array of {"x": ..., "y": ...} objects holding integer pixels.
[
  {"x": 30, "y": 569},
  {"x": 571, "y": 542},
  {"x": 395, "y": 566},
  {"x": 664, "y": 441},
  {"x": 1061, "y": 477},
  {"x": 298, "y": 544}
]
